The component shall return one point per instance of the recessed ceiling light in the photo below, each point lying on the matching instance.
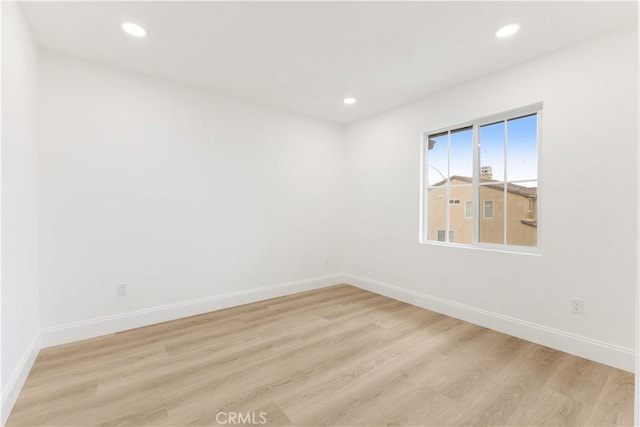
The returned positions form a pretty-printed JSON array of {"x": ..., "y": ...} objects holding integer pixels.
[
  {"x": 350, "y": 100},
  {"x": 134, "y": 29},
  {"x": 507, "y": 30}
]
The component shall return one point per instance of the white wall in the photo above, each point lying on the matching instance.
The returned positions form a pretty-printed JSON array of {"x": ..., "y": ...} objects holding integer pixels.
[
  {"x": 184, "y": 194},
  {"x": 587, "y": 211},
  {"x": 19, "y": 191}
]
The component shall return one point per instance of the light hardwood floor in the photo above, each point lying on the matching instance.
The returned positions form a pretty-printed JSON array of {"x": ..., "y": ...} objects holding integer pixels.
[{"x": 336, "y": 356}]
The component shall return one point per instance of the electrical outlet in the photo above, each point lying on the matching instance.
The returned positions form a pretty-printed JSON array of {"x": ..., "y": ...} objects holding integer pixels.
[
  {"x": 577, "y": 306},
  {"x": 122, "y": 289}
]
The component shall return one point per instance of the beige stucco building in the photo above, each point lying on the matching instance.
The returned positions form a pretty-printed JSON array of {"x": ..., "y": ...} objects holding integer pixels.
[{"x": 521, "y": 212}]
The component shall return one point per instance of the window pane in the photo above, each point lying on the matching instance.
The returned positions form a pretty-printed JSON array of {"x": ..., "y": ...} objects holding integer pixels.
[
  {"x": 437, "y": 154},
  {"x": 436, "y": 212},
  {"x": 491, "y": 152},
  {"x": 488, "y": 209},
  {"x": 522, "y": 214},
  {"x": 459, "y": 224},
  {"x": 491, "y": 214},
  {"x": 451, "y": 236},
  {"x": 468, "y": 209},
  {"x": 441, "y": 236},
  {"x": 522, "y": 150},
  {"x": 461, "y": 162}
]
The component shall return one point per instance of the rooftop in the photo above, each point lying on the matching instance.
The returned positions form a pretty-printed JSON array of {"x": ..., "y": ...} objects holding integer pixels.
[{"x": 531, "y": 192}]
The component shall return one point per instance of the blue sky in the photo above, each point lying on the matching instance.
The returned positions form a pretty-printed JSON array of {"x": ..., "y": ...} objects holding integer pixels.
[{"x": 521, "y": 158}]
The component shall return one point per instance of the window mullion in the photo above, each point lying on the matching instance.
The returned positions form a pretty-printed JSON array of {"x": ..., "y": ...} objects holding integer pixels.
[
  {"x": 505, "y": 193},
  {"x": 424, "y": 192},
  {"x": 448, "y": 184},
  {"x": 475, "y": 185}
]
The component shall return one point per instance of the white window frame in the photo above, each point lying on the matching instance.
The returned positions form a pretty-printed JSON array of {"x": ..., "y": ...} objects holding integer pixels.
[{"x": 476, "y": 124}]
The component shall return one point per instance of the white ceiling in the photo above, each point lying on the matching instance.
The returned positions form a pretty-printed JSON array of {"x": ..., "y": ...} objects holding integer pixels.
[{"x": 306, "y": 57}]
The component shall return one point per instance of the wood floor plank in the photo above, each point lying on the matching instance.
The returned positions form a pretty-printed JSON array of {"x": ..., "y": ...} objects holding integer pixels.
[
  {"x": 257, "y": 379},
  {"x": 580, "y": 379},
  {"x": 550, "y": 408},
  {"x": 335, "y": 356},
  {"x": 614, "y": 405},
  {"x": 516, "y": 384}
]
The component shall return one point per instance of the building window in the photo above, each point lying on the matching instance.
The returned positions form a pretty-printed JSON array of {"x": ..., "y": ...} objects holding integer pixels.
[
  {"x": 488, "y": 209},
  {"x": 441, "y": 234},
  {"x": 492, "y": 163}
]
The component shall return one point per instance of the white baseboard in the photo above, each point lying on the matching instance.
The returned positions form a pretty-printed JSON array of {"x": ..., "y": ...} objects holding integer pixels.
[
  {"x": 18, "y": 377},
  {"x": 599, "y": 351},
  {"x": 120, "y": 322}
]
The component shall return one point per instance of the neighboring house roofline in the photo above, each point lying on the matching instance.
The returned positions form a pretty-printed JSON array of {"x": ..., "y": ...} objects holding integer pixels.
[{"x": 511, "y": 188}]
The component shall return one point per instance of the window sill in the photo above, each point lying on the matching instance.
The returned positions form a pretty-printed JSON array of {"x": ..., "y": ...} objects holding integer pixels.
[{"x": 518, "y": 250}]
